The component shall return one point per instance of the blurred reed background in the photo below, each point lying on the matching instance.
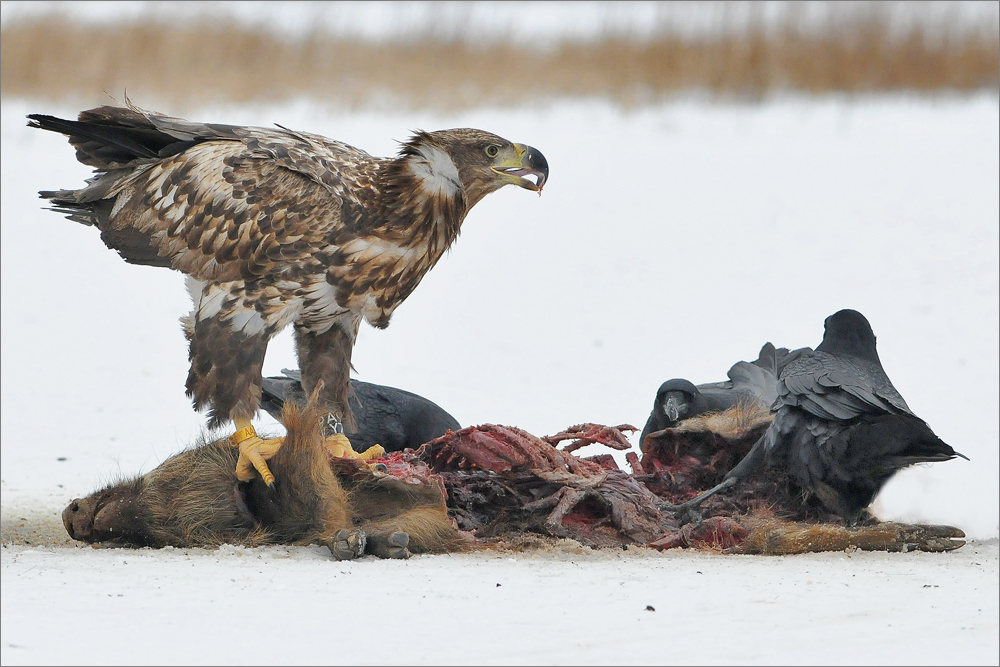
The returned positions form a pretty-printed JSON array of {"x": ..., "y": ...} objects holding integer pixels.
[{"x": 448, "y": 55}]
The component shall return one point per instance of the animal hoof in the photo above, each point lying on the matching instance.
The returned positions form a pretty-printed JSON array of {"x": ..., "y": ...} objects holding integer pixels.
[
  {"x": 940, "y": 544},
  {"x": 933, "y": 538},
  {"x": 348, "y": 544},
  {"x": 943, "y": 531},
  {"x": 398, "y": 542},
  {"x": 390, "y": 545}
]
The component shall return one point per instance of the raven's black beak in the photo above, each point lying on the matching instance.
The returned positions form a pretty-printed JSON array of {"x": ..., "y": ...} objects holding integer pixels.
[{"x": 675, "y": 408}]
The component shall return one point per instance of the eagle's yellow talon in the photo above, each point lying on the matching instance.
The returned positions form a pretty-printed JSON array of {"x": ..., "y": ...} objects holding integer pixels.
[
  {"x": 373, "y": 452},
  {"x": 254, "y": 452},
  {"x": 340, "y": 447}
]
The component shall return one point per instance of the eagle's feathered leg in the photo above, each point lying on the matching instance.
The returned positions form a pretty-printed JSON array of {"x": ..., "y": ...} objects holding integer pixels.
[
  {"x": 325, "y": 362},
  {"x": 326, "y": 356},
  {"x": 225, "y": 376}
]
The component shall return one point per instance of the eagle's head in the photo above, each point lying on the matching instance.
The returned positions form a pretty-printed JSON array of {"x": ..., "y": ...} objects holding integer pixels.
[{"x": 473, "y": 163}]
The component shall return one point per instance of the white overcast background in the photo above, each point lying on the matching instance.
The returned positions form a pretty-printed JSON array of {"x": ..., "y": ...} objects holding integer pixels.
[{"x": 671, "y": 241}]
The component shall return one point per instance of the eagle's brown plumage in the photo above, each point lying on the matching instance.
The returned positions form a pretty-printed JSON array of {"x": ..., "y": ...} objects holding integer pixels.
[{"x": 275, "y": 227}]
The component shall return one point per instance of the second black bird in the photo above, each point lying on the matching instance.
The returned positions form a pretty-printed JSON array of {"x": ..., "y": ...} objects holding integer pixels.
[{"x": 841, "y": 429}]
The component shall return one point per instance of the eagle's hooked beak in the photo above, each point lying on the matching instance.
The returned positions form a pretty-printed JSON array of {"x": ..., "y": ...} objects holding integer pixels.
[{"x": 521, "y": 162}]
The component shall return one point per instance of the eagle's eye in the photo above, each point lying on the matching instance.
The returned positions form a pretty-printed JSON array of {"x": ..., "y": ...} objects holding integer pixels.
[{"x": 492, "y": 150}]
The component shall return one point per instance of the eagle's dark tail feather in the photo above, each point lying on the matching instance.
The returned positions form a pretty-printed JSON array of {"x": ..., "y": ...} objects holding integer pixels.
[
  {"x": 116, "y": 141},
  {"x": 110, "y": 137}
]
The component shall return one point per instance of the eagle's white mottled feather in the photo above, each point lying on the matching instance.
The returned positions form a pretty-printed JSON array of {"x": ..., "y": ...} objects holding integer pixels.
[{"x": 437, "y": 172}]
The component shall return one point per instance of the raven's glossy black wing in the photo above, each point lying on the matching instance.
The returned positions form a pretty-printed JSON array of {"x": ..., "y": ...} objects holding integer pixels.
[
  {"x": 838, "y": 387},
  {"x": 753, "y": 379},
  {"x": 276, "y": 391}
]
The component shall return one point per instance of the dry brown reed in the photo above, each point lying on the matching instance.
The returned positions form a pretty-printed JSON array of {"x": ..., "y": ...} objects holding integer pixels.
[{"x": 196, "y": 64}]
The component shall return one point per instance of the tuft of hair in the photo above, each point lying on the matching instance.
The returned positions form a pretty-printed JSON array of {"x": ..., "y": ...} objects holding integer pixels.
[
  {"x": 732, "y": 423},
  {"x": 307, "y": 503}
]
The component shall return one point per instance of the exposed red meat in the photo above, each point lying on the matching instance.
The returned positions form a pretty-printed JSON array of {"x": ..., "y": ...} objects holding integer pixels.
[{"x": 501, "y": 480}]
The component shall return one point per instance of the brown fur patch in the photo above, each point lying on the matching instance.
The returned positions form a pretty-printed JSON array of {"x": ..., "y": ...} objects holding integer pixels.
[{"x": 731, "y": 424}]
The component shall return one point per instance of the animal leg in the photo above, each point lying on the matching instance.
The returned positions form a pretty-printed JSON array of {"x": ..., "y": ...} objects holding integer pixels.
[
  {"x": 929, "y": 538},
  {"x": 780, "y": 538},
  {"x": 689, "y": 512},
  {"x": 393, "y": 508}
]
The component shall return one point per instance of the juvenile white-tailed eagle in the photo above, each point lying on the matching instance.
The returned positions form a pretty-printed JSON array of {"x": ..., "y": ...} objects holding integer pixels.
[{"x": 275, "y": 227}]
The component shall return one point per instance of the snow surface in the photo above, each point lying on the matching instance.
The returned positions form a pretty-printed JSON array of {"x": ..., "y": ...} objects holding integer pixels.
[
  {"x": 294, "y": 606},
  {"x": 671, "y": 241}
]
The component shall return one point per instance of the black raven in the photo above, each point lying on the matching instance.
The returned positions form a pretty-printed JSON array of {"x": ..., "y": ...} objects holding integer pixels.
[
  {"x": 840, "y": 428},
  {"x": 679, "y": 399},
  {"x": 386, "y": 416}
]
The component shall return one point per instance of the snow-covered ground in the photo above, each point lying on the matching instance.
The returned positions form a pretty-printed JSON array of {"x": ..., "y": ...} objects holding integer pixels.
[
  {"x": 294, "y": 606},
  {"x": 671, "y": 241}
]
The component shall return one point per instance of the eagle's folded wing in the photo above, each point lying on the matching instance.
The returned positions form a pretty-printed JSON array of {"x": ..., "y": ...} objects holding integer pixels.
[{"x": 217, "y": 202}]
